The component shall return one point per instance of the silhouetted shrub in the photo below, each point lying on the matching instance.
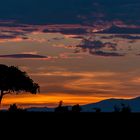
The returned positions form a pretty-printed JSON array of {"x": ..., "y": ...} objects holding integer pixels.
[
  {"x": 123, "y": 109},
  {"x": 126, "y": 108},
  {"x": 97, "y": 110},
  {"x": 14, "y": 108},
  {"x": 117, "y": 109},
  {"x": 76, "y": 108}
]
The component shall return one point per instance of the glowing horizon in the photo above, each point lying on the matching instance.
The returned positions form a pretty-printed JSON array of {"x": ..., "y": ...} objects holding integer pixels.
[{"x": 51, "y": 101}]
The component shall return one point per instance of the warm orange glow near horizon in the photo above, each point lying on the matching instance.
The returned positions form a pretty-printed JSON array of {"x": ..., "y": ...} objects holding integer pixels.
[{"x": 43, "y": 100}]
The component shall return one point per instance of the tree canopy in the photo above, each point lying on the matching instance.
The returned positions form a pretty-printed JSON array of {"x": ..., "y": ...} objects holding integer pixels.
[{"x": 13, "y": 80}]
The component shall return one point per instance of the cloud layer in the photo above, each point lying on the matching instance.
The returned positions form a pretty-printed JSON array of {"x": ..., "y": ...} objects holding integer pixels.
[
  {"x": 28, "y": 56},
  {"x": 71, "y": 11}
]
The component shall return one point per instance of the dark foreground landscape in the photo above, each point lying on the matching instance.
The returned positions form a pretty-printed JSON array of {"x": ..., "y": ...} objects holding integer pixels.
[
  {"x": 72, "y": 125},
  {"x": 47, "y": 118}
]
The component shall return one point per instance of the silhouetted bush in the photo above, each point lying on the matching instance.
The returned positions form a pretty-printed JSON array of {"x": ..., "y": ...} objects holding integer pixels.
[
  {"x": 14, "y": 108},
  {"x": 126, "y": 108},
  {"x": 76, "y": 108},
  {"x": 117, "y": 109},
  {"x": 123, "y": 109},
  {"x": 97, "y": 110}
]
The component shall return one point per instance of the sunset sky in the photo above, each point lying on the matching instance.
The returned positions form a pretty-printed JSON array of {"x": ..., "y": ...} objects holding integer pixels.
[{"x": 45, "y": 39}]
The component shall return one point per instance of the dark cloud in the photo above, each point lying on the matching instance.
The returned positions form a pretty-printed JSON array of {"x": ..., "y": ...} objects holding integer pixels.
[
  {"x": 7, "y": 36},
  {"x": 95, "y": 47},
  {"x": 123, "y": 36},
  {"x": 91, "y": 44},
  {"x": 128, "y": 37},
  {"x": 103, "y": 53},
  {"x": 10, "y": 34},
  {"x": 69, "y": 31},
  {"x": 22, "y": 56},
  {"x": 96, "y": 44},
  {"x": 70, "y": 11},
  {"x": 4, "y": 23},
  {"x": 126, "y": 11},
  {"x": 121, "y": 30}
]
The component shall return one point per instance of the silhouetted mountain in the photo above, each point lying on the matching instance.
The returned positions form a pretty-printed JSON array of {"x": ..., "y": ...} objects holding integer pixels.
[
  {"x": 108, "y": 105},
  {"x": 22, "y": 56},
  {"x": 104, "y": 106}
]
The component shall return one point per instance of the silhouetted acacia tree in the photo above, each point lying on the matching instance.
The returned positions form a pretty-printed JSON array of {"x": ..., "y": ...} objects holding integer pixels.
[
  {"x": 76, "y": 108},
  {"x": 61, "y": 108},
  {"x": 60, "y": 104},
  {"x": 13, "y": 80}
]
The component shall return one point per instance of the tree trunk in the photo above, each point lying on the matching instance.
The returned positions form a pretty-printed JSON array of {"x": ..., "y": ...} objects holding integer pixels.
[{"x": 1, "y": 96}]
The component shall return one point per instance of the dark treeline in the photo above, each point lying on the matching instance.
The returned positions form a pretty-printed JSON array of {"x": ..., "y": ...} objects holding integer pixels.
[{"x": 74, "y": 109}]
